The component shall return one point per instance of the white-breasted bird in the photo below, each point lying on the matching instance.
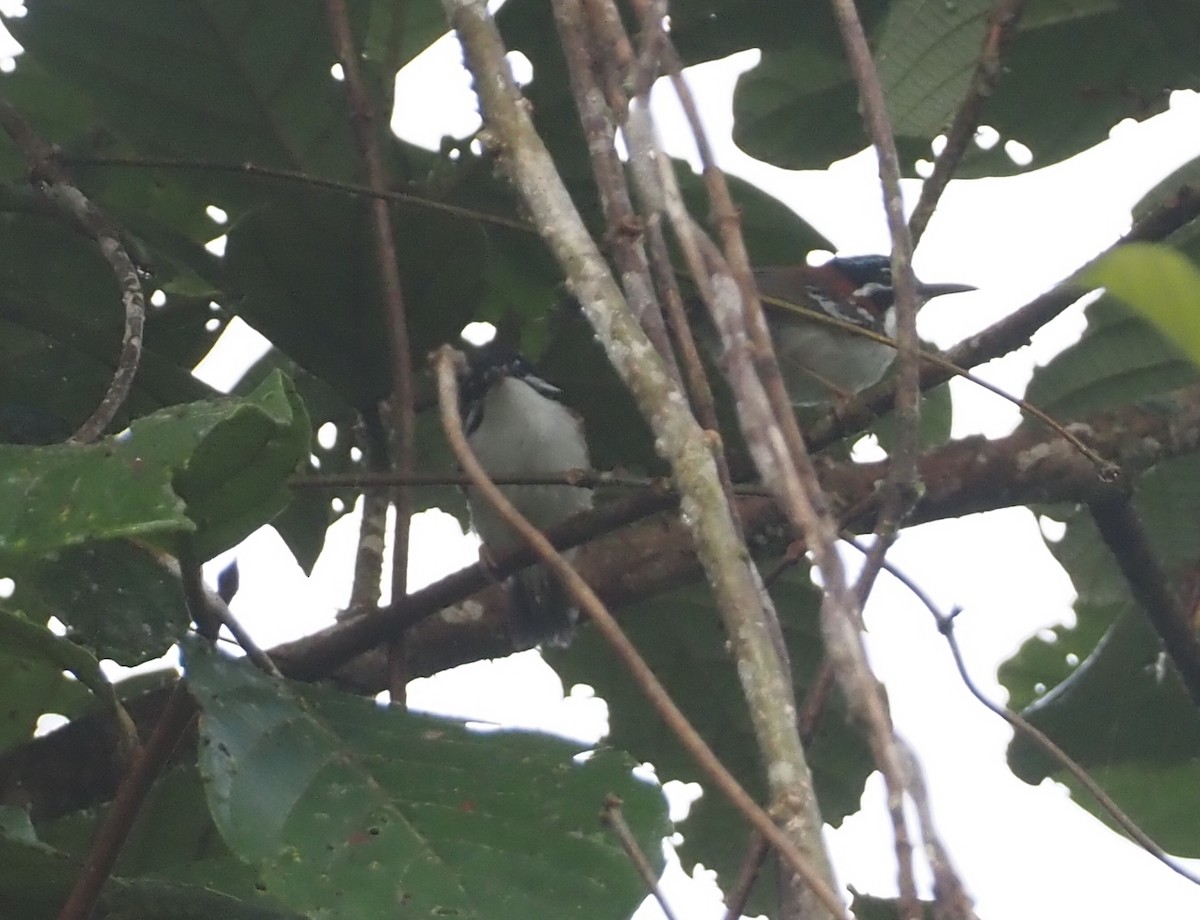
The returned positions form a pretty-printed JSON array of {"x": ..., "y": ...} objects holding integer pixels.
[{"x": 516, "y": 426}]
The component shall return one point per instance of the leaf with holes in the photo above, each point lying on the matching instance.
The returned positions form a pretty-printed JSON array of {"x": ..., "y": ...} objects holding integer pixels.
[
  {"x": 217, "y": 468},
  {"x": 350, "y": 809}
]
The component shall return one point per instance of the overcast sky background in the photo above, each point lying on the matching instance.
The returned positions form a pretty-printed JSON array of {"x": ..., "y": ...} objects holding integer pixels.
[{"x": 1024, "y": 852}]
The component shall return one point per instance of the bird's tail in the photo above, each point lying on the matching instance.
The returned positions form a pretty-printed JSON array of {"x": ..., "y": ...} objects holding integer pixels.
[{"x": 540, "y": 609}]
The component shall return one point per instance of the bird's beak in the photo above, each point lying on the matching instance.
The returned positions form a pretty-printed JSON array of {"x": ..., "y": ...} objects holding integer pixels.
[{"x": 929, "y": 291}]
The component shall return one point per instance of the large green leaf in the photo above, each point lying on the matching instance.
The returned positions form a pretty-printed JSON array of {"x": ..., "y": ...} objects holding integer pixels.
[
  {"x": 309, "y": 282},
  {"x": 216, "y": 468},
  {"x": 798, "y": 107},
  {"x": 348, "y": 809},
  {"x": 174, "y": 840},
  {"x": 206, "y": 79},
  {"x": 1119, "y": 359},
  {"x": 1100, "y": 688},
  {"x": 681, "y": 637}
]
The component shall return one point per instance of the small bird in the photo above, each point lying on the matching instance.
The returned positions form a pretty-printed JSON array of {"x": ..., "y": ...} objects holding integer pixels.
[
  {"x": 822, "y": 364},
  {"x": 516, "y": 426}
]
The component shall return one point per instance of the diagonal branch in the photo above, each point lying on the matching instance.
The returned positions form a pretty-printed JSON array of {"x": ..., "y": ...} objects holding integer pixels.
[
  {"x": 1002, "y": 23},
  {"x": 1125, "y": 536},
  {"x": 640, "y": 672}
]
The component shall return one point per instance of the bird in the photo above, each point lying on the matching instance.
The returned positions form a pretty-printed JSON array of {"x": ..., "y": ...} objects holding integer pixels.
[
  {"x": 516, "y": 426},
  {"x": 821, "y": 364}
]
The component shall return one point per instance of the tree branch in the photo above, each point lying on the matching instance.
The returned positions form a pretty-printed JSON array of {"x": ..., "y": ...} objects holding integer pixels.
[
  {"x": 1002, "y": 23},
  {"x": 51, "y": 180},
  {"x": 1126, "y": 538},
  {"x": 403, "y": 424}
]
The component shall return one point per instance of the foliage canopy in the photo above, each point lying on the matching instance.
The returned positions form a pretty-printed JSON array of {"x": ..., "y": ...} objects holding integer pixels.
[{"x": 299, "y": 800}]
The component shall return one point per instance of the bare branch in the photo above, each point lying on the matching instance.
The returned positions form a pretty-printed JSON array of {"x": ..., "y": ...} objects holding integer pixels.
[
  {"x": 678, "y": 437},
  {"x": 403, "y": 425}
]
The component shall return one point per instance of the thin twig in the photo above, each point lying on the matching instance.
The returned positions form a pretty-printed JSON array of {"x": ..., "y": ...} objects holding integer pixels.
[
  {"x": 209, "y": 610},
  {"x": 864, "y": 694},
  {"x": 1002, "y": 23},
  {"x": 902, "y": 484},
  {"x": 935, "y": 359},
  {"x": 642, "y": 154},
  {"x": 446, "y": 373},
  {"x": 611, "y": 816},
  {"x": 945, "y": 625},
  {"x": 52, "y": 182},
  {"x": 591, "y": 479},
  {"x": 299, "y": 178},
  {"x": 1038, "y": 737},
  {"x": 748, "y": 870},
  {"x": 403, "y": 425}
]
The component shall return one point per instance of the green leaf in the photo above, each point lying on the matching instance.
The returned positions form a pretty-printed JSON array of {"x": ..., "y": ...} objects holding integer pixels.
[
  {"x": 798, "y": 108},
  {"x": 236, "y": 478},
  {"x": 1119, "y": 359},
  {"x": 30, "y": 687},
  {"x": 214, "y": 81},
  {"x": 1160, "y": 284},
  {"x": 35, "y": 881},
  {"x": 681, "y": 637},
  {"x": 1100, "y": 688},
  {"x": 321, "y": 304},
  {"x": 217, "y": 468},
  {"x": 349, "y": 808},
  {"x": 173, "y": 840},
  {"x": 117, "y": 599}
]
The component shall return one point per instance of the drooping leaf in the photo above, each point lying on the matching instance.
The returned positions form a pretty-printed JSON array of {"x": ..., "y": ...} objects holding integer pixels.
[
  {"x": 35, "y": 881},
  {"x": 174, "y": 840},
  {"x": 319, "y": 792}
]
